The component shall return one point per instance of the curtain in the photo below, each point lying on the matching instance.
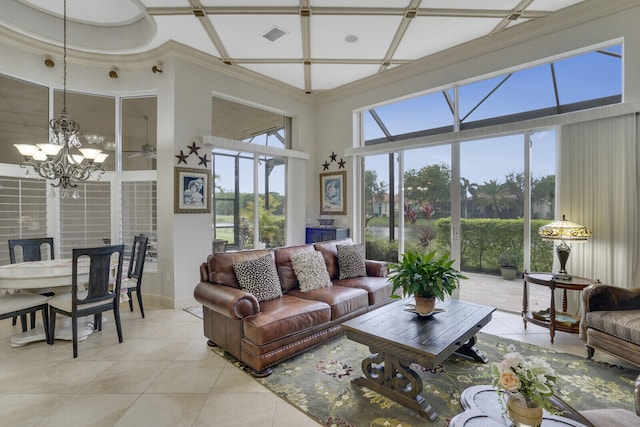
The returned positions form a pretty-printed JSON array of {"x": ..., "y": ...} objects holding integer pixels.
[{"x": 598, "y": 188}]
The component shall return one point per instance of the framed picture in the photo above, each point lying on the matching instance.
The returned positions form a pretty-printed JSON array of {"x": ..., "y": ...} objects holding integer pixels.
[
  {"x": 192, "y": 192},
  {"x": 333, "y": 193}
]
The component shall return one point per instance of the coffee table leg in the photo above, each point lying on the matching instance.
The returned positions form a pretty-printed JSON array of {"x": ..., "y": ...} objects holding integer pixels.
[
  {"x": 468, "y": 349},
  {"x": 392, "y": 377}
]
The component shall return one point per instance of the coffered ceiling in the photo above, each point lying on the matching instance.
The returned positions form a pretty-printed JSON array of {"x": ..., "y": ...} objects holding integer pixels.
[{"x": 312, "y": 45}]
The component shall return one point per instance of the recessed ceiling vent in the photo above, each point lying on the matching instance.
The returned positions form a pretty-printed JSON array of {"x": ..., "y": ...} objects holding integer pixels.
[{"x": 274, "y": 33}]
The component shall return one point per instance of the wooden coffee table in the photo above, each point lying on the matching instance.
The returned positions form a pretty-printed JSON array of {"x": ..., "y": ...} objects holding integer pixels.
[{"x": 396, "y": 338}]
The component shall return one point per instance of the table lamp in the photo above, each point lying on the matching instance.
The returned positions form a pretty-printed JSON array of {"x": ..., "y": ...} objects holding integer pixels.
[{"x": 563, "y": 230}]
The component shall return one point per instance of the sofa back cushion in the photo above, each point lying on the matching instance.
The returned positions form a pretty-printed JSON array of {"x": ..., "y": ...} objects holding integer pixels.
[
  {"x": 330, "y": 254},
  {"x": 220, "y": 265},
  {"x": 288, "y": 279}
]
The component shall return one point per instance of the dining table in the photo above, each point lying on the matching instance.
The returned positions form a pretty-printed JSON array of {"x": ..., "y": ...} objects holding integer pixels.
[{"x": 49, "y": 276}]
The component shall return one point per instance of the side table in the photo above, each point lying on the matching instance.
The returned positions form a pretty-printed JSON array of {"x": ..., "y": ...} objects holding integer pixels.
[
  {"x": 482, "y": 407},
  {"x": 547, "y": 279}
]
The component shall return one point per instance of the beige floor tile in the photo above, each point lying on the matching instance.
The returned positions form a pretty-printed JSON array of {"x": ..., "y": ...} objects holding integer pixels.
[
  {"x": 157, "y": 349},
  {"x": 186, "y": 377},
  {"x": 126, "y": 377},
  {"x": 288, "y": 415},
  {"x": 241, "y": 410},
  {"x": 18, "y": 410},
  {"x": 89, "y": 410},
  {"x": 164, "y": 410},
  {"x": 233, "y": 380}
]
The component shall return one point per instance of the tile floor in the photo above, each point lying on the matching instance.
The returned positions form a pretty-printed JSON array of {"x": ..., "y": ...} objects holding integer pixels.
[{"x": 163, "y": 374}]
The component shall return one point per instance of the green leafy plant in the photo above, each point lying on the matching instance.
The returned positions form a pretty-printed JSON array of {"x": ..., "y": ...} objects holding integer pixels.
[
  {"x": 508, "y": 259},
  {"x": 424, "y": 275}
]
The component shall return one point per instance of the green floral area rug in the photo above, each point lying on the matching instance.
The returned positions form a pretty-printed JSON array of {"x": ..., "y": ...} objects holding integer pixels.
[{"x": 318, "y": 382}]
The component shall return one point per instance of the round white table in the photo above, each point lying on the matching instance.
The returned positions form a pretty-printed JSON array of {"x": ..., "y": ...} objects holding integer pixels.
[{"x": 46, "y": 275}]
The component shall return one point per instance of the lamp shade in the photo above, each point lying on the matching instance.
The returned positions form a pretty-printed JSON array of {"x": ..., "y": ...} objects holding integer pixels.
[{"x": 564, "y": 230}]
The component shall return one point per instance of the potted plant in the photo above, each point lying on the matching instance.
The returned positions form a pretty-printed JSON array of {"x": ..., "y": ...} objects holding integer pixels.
[
  {"x": 424, "y": 276},
  {"x": 508, "y": 263}
]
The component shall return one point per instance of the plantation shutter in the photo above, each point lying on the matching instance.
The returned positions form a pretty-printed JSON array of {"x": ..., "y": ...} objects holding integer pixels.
[
  {"x": 85, "y": 221},
  {"x": 138, "y": 214},
  {"x": 23, "y": 211}
]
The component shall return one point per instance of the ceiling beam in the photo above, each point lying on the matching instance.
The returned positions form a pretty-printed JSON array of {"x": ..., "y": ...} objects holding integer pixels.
[
  {"x": 201, "y": 14},
  {"x": 409, "y": 15}
]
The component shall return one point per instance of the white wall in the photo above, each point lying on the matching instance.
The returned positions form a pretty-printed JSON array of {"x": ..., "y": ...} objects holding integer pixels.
[{"x": 335, "y": 113}]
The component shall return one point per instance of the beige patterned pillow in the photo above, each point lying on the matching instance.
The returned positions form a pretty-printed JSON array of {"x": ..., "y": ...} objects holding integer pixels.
[
  {"x": 259, "y": 277},
  {"x": 351, "y": 261},
  {"x": 311, "y": 271}
]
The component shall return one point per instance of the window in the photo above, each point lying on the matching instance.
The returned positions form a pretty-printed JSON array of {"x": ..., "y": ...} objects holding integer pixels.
[
  {"x": 139, "y": 127},
  {"x": 493, "y": 178},
  {"x": 139, "y": 215},
  {"x": 249, "y": 186},
  {"x": 86, "y": 221},
  {"x": 23, "y": 211}
]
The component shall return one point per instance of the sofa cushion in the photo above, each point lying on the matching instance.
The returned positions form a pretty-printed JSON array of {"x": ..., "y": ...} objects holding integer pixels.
[
  {"x": 330, "y": 254},
  {"x": 288, "y": 278},
  {"x": 259, "y": 277},
  {"x": 284, "y": 316},
  {"x": 220, "y": 265},
  {"x": 350, "y": 261},
  {"x": 623, "y": 324},
  {"x": 311, "y": 271},
  {"x": 343, "y": 301},
  {"x": 379, "y": 288}
]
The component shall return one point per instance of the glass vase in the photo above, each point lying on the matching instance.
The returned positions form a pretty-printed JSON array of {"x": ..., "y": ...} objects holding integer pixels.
[{"x": 523, "y": 412}]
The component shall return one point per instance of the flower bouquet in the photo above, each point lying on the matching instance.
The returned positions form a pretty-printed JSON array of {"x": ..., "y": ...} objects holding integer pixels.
[{"x": 530, "y": 384}]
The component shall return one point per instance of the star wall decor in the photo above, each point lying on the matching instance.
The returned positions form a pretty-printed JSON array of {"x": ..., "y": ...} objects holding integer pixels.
[
  {"x": 204, "y": 161},
  {"x": 333, "y": 158},
  {"x": 182, "y": 158},
  {"x": 193, "y": 148}
]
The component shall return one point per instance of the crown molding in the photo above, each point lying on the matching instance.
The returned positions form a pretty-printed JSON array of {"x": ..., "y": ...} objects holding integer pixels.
[{"x": 146, "y": 59}]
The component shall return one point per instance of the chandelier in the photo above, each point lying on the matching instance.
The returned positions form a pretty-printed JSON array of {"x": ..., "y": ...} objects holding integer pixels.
[{"x": 61, "y": 160}]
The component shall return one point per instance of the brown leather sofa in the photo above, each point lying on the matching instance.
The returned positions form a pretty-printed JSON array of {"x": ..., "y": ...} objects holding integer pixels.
[
  {"x": 262, "y": 334},
  {"x": 611, "y": 321}
]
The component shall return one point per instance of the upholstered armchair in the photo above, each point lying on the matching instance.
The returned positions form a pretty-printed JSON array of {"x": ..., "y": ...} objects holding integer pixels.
[{"x": 611, "y": 321}]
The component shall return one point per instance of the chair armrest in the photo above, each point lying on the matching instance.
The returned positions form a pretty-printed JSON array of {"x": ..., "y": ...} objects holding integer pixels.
[
  {"x": 376, "y": 268},
  {"x": 636, "y": 393},
  {"x": 609, "y": 298},
  {"x": 228, "y": 301}
]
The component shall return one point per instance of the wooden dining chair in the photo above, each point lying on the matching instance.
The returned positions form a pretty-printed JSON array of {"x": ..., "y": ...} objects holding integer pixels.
[
  {"x": 101, "y": 293},
  {"x": 23, "y": 303},
  {"x": 136, "y": 268},
  {"x": 32, "y": 250}
]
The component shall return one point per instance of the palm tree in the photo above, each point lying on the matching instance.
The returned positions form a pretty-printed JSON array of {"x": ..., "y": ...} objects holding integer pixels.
[
  {"x": 467, "y": 187},
  {"x": 494, "y": 196}
]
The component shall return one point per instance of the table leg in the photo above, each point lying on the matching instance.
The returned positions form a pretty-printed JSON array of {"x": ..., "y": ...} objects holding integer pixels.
[
  {"x": 392, "y": 377},
  {"x": 468, "y": 349}
]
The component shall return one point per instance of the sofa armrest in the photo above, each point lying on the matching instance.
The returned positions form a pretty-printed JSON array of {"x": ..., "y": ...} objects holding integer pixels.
[
  {"x": 376, "y": 268},
  {"x": 228, "y": 301}
]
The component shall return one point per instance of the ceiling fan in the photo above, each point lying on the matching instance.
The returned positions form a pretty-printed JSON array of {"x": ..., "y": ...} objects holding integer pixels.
[{"x": 147, "y": 150}]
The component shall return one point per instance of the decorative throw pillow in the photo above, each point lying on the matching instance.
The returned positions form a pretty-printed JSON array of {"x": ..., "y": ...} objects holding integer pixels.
[
  {"x": 311, "y": 271},
  {"x": 259, "y": 277},
  {"x": 351, "y": 261}
]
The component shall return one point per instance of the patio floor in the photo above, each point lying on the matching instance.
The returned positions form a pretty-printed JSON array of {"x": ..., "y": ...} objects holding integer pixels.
[{"x": 503, "y": 294}]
